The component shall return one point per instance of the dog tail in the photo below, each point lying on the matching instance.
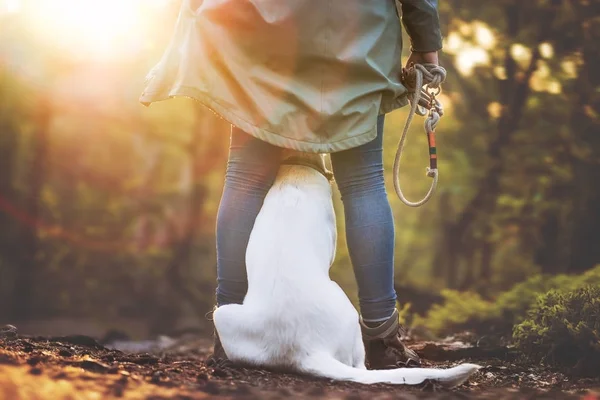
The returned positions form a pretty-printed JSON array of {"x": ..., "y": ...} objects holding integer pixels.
[{"x": 326, "y": 366}]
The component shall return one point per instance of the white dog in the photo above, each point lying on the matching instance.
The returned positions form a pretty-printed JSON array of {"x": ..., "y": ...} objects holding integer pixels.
[{"x": 294, "y": 316}]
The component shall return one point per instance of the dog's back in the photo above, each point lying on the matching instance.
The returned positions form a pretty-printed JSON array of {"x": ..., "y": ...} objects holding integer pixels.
[{"x": 294, "y": 236}]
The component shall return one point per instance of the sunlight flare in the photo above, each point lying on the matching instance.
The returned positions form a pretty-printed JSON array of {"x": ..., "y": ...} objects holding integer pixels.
[
  {"x": 500, "y": 72},
  {"x": 484, "y": 35},
  {"x": 86, "y": 27},
  {"x": 546, "y": 50},
  {"x": 9, "y": 6},
  {"x": 453, "y": 43},
  {"x": 470, "y": 57},
  {"x": 95, "y": 25},
  {"x": 520, "y": 53},
  {"x": 494, "y": 110},
  {"x": 569, "y": 68}
]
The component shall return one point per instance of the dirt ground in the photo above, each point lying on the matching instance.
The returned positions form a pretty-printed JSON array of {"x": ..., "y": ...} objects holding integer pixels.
[{"x": 78, "y": 367}]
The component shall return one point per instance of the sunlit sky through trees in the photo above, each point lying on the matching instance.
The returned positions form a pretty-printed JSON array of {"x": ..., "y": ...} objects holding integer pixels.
[
  {"x": 85, "y": 27},
  {"x": 111, "y": 31}
]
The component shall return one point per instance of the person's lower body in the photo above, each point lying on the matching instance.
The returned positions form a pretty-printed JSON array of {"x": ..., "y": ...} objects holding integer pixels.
[{"x": 252, "y": 167}]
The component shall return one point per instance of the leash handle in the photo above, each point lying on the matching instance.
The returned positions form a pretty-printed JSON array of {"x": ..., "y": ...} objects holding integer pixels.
[{"x": 414, "y": 80}]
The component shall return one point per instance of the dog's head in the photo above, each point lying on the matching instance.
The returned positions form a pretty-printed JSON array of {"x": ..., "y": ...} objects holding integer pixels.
[{"x": 314, "y": 160}]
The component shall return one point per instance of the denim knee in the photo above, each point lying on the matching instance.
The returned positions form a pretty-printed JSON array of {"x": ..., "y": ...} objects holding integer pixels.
[
  {"x": 359, "y": 171},
  {"x": 252, "y": 165}
]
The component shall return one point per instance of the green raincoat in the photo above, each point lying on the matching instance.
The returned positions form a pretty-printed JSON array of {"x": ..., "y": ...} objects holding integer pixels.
[{"x": 309, "y": 75}]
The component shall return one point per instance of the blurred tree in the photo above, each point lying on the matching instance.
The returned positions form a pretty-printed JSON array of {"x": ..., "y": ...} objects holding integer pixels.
[
  {"x": 9, "y": 127},
  {"x": 518, "y": 89},
  {"x": 569, "y": 244},
  {"x": 23, "y": 293}
]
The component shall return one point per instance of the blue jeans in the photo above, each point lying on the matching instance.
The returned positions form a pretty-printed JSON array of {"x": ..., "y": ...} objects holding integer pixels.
[{"x": 251, "y": 170}]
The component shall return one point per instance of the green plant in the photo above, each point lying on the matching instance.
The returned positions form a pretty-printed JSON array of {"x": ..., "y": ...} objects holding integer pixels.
[
  {"x": 563, "y": 330},
  {"x": 513, "y": 304},
  {"x": 469, "y": 311},
  {"x": 460, "y": 310}
]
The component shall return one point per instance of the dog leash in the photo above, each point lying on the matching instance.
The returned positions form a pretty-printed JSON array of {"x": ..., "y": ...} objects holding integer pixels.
[{"x": 414, "y": 78}]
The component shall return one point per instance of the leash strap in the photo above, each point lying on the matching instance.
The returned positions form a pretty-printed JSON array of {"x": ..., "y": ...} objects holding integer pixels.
[{"x": 414, "y": 78}]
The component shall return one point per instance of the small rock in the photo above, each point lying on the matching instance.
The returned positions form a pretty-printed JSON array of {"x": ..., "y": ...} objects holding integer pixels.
[
  {"x": 156, "y": 377},
  {"x": 94, "y": 366},
  {"x": 35, "y": 371},
  {"x": 28, "y": 348},
  {"x": 8, "y": 331},
  {"x": 65, "y": 353}
]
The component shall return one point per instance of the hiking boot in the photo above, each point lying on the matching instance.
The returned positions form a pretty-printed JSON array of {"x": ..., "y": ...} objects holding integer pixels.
[
  {"x": 384, "y": 348},
  {"x": 218, "y": 355}
]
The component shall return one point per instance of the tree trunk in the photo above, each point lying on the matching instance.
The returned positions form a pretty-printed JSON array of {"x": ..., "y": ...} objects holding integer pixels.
[
  {"x": 24, "y": 286},
  {"x": 8, "y": 196}
]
